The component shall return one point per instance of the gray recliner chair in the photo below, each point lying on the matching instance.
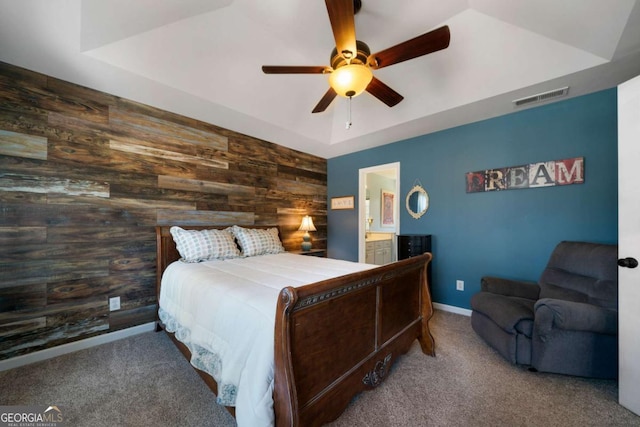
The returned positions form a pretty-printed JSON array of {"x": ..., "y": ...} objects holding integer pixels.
[{"x": 567, "y": 323}]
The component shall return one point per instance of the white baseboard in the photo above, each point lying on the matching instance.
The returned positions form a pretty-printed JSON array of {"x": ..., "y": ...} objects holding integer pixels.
[
  {"x": 452, "y": 309},
  {"x": 49, "y": 353}
]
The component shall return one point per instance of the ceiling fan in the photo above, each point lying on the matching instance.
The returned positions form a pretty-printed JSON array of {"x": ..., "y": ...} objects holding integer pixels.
[{"x": 351, "y": 60}]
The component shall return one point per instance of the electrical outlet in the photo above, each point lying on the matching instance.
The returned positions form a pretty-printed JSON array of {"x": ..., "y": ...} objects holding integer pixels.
[
  {"x": 114, "y": 303},
  {"x": 459, "y": 285}
]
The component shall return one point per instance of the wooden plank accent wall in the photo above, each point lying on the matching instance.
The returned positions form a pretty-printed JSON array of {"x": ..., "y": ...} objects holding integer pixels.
[{"x": 86, "y": 176}]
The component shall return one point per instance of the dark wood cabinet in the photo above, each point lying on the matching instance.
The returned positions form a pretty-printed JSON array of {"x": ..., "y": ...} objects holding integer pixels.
[{"x": 410, "y": 245}]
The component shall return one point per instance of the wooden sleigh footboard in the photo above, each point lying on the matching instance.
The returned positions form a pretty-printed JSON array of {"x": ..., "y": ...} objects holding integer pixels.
[{"x": 338, "y": 337}]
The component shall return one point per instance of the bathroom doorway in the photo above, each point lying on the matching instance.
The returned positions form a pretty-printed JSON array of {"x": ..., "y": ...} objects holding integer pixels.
[{"x": 378, "y": 213}]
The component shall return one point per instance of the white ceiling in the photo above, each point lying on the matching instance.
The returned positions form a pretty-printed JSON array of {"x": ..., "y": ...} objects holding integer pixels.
[{"x": 202, "y": 58}]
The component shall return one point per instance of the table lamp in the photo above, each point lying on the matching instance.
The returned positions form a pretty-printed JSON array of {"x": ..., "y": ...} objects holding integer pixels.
[{"x": 306, "y": 226}]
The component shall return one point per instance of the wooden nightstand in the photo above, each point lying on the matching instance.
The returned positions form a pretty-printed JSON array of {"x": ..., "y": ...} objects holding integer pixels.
[{"x": 312, "y": 252}]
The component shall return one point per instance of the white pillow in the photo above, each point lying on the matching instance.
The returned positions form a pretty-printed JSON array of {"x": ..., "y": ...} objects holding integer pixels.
[
  {"x": 258, "y": 241},
  {"x": 202, "y": 245}
]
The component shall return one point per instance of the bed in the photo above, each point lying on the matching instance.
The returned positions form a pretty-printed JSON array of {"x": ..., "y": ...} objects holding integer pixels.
[{"x": 332, "y": 338}]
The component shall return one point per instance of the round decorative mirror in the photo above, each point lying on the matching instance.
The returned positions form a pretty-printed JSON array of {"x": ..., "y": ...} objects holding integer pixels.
[{"x": 417, "y": 201}]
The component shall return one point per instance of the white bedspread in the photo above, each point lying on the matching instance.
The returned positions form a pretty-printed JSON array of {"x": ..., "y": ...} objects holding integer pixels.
[{"x": 224, "y": 311}]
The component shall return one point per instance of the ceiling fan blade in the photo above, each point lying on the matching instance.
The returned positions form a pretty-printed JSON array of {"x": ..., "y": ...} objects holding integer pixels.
[
  {"x": 325, "y": 101},
  {"x": 432, "y": 41},
  {"x": 384, "y": 93},
  {"x": 341, "y": 15},
  {"x": 294, "y": 69}
]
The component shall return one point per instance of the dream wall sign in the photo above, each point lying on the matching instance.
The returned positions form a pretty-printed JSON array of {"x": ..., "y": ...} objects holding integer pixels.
[{"x": 534, "y": 175}]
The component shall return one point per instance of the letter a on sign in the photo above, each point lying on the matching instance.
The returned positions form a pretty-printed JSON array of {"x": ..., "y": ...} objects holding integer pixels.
[{"x": 542, "y": 174}]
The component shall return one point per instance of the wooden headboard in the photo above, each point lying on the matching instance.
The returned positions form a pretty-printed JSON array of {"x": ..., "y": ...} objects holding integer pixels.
[{"x": 166, "y": 248}]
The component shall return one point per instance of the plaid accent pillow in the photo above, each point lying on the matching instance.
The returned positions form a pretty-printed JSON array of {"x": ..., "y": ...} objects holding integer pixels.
[
  {"x": 202, "y": 245},
  {"x": 258, "y": 241}
]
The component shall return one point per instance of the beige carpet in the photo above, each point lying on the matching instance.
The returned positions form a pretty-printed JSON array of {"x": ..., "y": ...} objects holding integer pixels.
[{"x": 144, "y": 381}]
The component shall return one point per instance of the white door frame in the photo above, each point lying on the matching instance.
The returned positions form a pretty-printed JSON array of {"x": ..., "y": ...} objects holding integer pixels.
[{"x": 362, "y": 195}]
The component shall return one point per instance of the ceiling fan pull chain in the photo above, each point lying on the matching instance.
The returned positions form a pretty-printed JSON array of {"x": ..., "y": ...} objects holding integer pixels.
[{"x": 349, "y": 122}]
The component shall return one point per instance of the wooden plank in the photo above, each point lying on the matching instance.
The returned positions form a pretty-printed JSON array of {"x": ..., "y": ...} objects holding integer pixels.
[
  {"x": 125, "y": 318},
  {"x": 306, "y": 204},
  {"x": 21, "y": 327},
  {"x": 137, "y": 128},
  {"x": 12, "y": 197},
  {"x": 71, "y": 99},
  {"x": 287, "y": 172},
  {"x": 79, "y": 132},
  {"x": 265, "y": 218},
  {"x": 59, "y": 249},
  {"x": 166, "y": 155},
  {"x": 23, "y": 145},
  {"x": 47, "y": 100},
  {"x": 169, "y": 217},
  {"x": 159, "y": 195},
  {"x": 120, "y": 202},
  {"x": 64, "y": 323},
  {"x": 61, "y": 215},
  {"x": 130, "y": 178},
  {"x": 96, "y": 154},
  {"x": 298, "y": 188},
  {"x": 133, "y": 285},
  {"x": 91, "y": 288},
  {"x": 18, "y": 111},
  {"x": 228, "y": 203},
  {"x": 42, "y": 271},
  {"x": 70, "y": 310},
  {"x": 197, "y": 185},
  {"x": 21, "y": 215},
  {"x": 41, "y": 184},
  {"x": 65, "y": 127},
  {"x": 49, "y": 336},
  {"x": 254, "y": 174},
  {"x": 150, "y": 166},
  {"x": 251, "y": 148},
  {"x": 12, "y": 237},
  {"x": 134, "y": 255},
  {"x": 251, "y": 166},
  {"x": 18, "y": 75},
  {"x": 14, "y": 298},
  {"x": 127, "y": 106},
  {"x": 66, "y": 89},
  {"x": 108, "y": 234},
  {"x": 55, "y": 169}
]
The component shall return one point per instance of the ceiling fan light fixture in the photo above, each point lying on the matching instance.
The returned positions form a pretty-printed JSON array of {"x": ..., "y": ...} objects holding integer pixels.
[
  {"x": 352, "y": 63},
  {"x": 350, "y": 80}
]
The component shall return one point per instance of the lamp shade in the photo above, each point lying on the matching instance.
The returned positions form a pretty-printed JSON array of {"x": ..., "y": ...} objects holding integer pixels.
[
  {"x": 307, "y": 224},
  {"x": 350, "y": 80}
]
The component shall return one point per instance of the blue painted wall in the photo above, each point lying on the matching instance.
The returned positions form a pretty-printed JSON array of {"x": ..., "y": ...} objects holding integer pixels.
[{"x": 507, "y": 233}]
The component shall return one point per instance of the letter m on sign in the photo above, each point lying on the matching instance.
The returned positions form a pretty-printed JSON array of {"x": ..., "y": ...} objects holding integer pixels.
[{"x": 570, "y": 171}]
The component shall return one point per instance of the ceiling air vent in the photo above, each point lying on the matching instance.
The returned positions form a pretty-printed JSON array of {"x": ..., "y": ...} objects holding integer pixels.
[{"x": 544, "y": 96}]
